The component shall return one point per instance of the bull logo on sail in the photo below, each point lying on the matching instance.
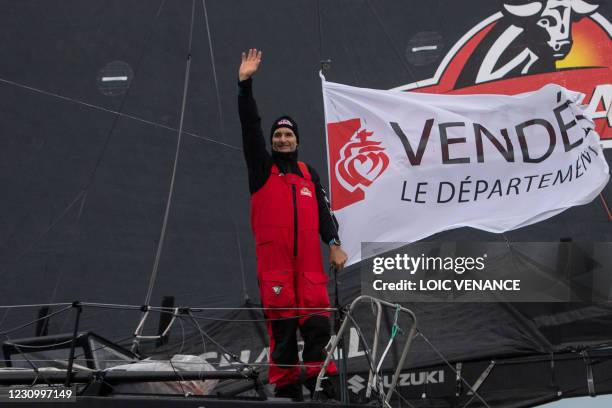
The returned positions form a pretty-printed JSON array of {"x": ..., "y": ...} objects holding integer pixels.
[
  {"x": 530, "y": 38},
  {"x": 531, "y": 43}
]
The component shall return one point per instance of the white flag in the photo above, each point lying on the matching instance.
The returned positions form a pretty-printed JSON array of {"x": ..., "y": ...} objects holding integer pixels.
[{"x": 403, "y": 166}]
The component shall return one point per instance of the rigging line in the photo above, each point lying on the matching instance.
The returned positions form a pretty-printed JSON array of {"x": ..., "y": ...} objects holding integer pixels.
[
  {"x": 402, "y": 398},
  {"x": 80, "y": 355},
  {"x": 537, "y": 338},
  {"x": 182, "y": 335},
  {"x": 216, "y": 343},
  {"x": 218, "y": 364},
  {"x": 49, "y": 228},
  {"x": 374, "y": 370},
  {"x": 46, "y": 346},
  {"x": 47, "y": 360},
  {"x": 599, "y": 360},
  {"x": 605, "y": 119},
  {"x": 162, "y": 236},
  {"x": 34, "y": 366},
  {"x": 60, "y": 343},
  {"x": 84, "y": 190},
  {"x": 203, "y": 309},
  {"x": 4, "y": 333},
  {"x": 350, "y": 56},
  {"x": 203, "y": 342},
  {"x": 397, "y": 53},
  {"x": 180, "y": 378},
  {"x": 124, "y": 99},
  {"x": 214, "y": 70},
  {"x": 114, "y": 112},
  {"x": 254, "y": 364},
  {"x": 220, "y": 319},
  {"x": 245, "y": 294},
  {"x": 194, "y": 309},
  {"x": 320, "y": 23},
  {"x": 36, "y": 305},
  {"x": 60, "y": 275},
  {"x": 601, "y": 196},
  {"x": 114, "y": 306},
  {"x": 379, "y": 388},
  {"x": 603, "y": 202},
  {"x": 452, "y": 368},
  {"x": 4, "y": 317},
  {"x": 183, "y": 342}
]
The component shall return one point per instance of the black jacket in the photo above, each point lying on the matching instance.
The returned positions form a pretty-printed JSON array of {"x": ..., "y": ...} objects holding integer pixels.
[{"x": 259, "y": 161}]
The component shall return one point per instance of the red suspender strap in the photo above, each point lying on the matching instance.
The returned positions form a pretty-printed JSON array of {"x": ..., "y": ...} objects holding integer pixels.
[{"x": 304, "y": 170}]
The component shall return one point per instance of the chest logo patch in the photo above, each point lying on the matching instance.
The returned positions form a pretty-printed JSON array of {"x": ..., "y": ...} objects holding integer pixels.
[
  {"x": 306, "y": 192},
  {"x": 277, "y": 289}
]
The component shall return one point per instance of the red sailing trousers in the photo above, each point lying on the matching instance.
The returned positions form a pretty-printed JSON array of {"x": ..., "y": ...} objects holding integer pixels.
[{"x": 285, "y": 221}]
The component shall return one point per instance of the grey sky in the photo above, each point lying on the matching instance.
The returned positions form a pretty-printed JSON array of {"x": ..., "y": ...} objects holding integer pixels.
[{"x": 601, "y": 401}]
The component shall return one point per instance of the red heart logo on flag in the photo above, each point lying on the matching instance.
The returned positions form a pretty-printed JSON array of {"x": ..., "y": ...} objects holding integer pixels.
[{"x": 356, "y": 161}]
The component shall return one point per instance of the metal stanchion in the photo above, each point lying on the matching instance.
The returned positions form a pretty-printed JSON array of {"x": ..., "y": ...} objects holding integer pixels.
[
  {"x": 342, "y": 369},
  {"x": 342, "y": 331},
  {"x": 78, "y": 309}
]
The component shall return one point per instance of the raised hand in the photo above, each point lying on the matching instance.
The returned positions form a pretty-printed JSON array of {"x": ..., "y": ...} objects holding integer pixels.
[{"x": 250, "y": 63}]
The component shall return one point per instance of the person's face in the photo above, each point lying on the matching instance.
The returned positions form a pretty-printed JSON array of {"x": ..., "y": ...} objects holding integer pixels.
[{"x": 284, "y": 140}]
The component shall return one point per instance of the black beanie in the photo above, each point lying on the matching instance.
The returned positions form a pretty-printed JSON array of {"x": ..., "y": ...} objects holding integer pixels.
[{"x": 287, "y": 122}]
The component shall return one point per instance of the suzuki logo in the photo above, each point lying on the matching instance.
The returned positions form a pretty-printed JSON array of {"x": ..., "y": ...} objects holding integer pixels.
[{"x": 356, "y": 383}]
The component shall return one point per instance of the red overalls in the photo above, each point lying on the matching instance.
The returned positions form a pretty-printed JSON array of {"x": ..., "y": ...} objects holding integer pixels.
[{"x": 285, "y": 221}]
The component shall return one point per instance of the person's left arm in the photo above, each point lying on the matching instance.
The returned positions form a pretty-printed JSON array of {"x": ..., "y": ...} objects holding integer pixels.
[{"x": 328, "y": 225}]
